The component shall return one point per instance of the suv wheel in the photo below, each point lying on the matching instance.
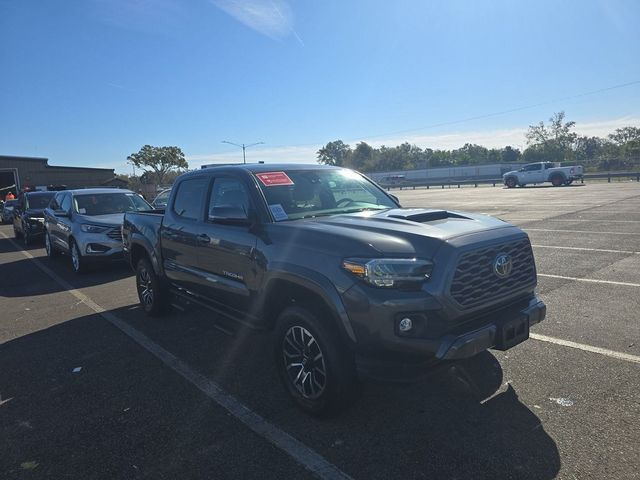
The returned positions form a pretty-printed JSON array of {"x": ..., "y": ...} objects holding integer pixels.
[
  {"x": 150, "y": 292},
  {"x": 26, "y": 238},
  {"x": 316, "y": 368},
  {"x": 77, "y": 262},
  {"x": 48, "y": 246}
]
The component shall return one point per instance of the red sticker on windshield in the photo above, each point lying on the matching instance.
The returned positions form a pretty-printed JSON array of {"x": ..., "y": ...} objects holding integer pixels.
[{"x": 271, "y": 179}]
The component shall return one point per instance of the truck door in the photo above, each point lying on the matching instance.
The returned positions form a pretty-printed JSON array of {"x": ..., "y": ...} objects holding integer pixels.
[
  {"x": 180, "y": 227},
  {"x": 533, "y": 173},
  {"x": 227, "y": 248}
]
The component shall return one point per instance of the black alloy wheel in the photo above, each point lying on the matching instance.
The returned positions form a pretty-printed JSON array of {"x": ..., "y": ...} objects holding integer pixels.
[
  {"x": 316, "y": 368},
  {"x": 151, "y": 293}
]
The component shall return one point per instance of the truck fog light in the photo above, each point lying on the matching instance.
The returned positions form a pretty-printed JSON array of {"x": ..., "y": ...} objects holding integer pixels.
[{"x": 405, "y": 324}]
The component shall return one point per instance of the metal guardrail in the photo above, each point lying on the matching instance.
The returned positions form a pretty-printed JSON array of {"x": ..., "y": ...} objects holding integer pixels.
[{"x": 493, "y": 181}]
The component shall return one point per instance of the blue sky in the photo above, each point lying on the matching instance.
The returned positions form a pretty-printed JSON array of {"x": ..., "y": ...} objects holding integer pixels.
[{"x": 87, "y": 82}]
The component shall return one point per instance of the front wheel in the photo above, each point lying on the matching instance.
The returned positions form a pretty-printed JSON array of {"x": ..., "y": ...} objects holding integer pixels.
[
  {"x": 77, "y": 262},
  {"x": 315, "y": 367},
  {"x": 510, "y": 182},
  {"x": 48, "y": 246},
  {"x": 26, "y": 238},
  {"x": 150, "y": 292}
]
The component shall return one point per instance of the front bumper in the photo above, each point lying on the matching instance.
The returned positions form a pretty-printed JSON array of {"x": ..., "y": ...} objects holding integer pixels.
[
  {"x": 500, "y": 329},
  {"x": 99, "y": 246},
  {"x": 34, "y": 228}
]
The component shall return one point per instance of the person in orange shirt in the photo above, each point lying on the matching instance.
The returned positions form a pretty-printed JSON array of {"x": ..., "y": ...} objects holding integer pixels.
[{"x": 10, "y": 196}]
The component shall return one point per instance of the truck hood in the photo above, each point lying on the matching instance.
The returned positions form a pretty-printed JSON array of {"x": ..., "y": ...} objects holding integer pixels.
[
  {"x": 397, "y": 231},
  {"x": 512, "y": 172},
  {"x": 111, "y": 220}
]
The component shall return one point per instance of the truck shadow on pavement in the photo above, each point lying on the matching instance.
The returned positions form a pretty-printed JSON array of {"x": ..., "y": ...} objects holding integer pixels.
[{"x": 460, "y": 422}]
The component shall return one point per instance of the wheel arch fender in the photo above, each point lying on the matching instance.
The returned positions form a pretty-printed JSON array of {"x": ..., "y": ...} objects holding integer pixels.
[
  {"x": 139, "y": 245},
  {"x": 302, "y": 279}
]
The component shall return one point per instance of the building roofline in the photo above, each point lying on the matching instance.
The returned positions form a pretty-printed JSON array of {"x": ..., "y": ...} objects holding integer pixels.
[{"x": 46, "y": 163}]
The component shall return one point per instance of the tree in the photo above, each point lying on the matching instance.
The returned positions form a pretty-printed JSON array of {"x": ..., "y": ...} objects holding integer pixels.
[
  {"x": 509, "y": 154},
  {"x": 334, "y": 153},
  {"x": 362, "y": 158},
  {"x": 555, "y": 142},
  {"x": 159, "y": 160},
  {"x": 625, "y": 135}
]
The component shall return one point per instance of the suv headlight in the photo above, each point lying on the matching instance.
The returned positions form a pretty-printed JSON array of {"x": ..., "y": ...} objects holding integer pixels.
[
  {"x": 93, "y": 228},
  {"x": 390, "y": 272}
]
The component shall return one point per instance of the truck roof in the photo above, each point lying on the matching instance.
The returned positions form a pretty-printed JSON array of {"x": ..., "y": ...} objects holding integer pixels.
[{"x": 271, "y": 167}]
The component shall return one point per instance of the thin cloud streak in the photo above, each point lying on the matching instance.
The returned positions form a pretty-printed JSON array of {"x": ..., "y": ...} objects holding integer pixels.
[{"x": 271, "y": 18}]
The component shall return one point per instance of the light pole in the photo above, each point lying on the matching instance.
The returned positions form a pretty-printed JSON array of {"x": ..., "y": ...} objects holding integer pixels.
[{"x": 243, "y": 147}]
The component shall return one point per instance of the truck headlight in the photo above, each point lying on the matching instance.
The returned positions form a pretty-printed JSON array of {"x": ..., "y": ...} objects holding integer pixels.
[
  {"x": 93, "y": 228},
  {"x": 390, "y": 272}
]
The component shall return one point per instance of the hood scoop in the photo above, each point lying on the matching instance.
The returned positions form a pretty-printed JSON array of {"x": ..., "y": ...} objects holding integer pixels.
[{"x": 420, "y": 215}]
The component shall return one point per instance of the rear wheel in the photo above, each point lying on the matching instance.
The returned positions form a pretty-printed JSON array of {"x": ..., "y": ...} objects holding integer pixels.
[
  {"x": 77, "y": 262},
  {"x": 557, "y": 180},
  {"x": 152, "y": 296},
  {"x": 317, "y": 370},
  {"x": 511, "y": 182}
]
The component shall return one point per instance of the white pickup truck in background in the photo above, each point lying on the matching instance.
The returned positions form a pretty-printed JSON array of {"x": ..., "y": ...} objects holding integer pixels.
[{"x": 541, "y": 172}]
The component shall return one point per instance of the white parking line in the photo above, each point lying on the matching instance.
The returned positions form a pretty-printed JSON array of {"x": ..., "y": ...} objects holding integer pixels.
[
  {"x": 571, "y": 220},
  {"x": 578, "y": 231},
  {"x": 587, "y": 348},
  {"x": 304, "y": 455},
  {"x": 589, "y": 280},
  {"x": 587, "y": 249}
]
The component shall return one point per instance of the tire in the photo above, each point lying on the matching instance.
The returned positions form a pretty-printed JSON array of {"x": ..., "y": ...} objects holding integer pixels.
[
  {"x": 568, "y": 182},
  {"x": 78, "y": 264},
  {"x": 26, "y": 238},
  {"x": 557, "y": 180},
  {"x": 315, "y": 367},
  {"x": 151, "y": 292},
  {"x": 511, "y": 182},
  {"x": 48, "y": 246}
]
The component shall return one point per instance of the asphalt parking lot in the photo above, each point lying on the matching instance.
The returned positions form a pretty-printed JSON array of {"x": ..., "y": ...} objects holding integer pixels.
[{"x": 183, "y": 397}]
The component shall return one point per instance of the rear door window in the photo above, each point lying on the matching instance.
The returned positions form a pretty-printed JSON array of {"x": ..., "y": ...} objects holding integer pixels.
[{"x": 190, "y": 198}]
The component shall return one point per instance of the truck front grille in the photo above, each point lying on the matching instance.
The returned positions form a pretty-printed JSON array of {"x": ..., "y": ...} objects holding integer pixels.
[
  {"x": 115, "y": 234},
  {"x": 475, "y": 281}
]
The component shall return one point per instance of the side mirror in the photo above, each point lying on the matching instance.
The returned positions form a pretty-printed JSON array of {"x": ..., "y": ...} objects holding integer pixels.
[
  {"x": 229, "y": 215},
  {"x": 61, "y": 213}
]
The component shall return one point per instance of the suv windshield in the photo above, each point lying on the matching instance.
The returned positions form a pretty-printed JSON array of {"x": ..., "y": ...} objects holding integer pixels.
[
  {"x": 293, "y": 194},
  {"x": 108, "y": 203},
  {"x": 38, "y": 201}
]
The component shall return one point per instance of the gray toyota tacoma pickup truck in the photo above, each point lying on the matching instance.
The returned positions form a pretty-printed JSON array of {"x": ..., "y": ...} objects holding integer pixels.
[{"x": 351, "y": 284}]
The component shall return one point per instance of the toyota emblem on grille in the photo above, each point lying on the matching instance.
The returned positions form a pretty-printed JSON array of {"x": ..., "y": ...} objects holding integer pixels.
[{"x": 502, "y": 265}]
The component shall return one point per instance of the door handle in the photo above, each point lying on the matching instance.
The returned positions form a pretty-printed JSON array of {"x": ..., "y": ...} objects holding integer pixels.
[{"x": 203, "y": 239}]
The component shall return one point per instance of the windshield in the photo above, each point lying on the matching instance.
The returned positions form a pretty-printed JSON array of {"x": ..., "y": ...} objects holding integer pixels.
[
  {"x": 39, "y": 201},
  {"x": 108, "y": 203},
  {"x": 162, "y": 198},
  {"x": 293, "y": 194}
]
